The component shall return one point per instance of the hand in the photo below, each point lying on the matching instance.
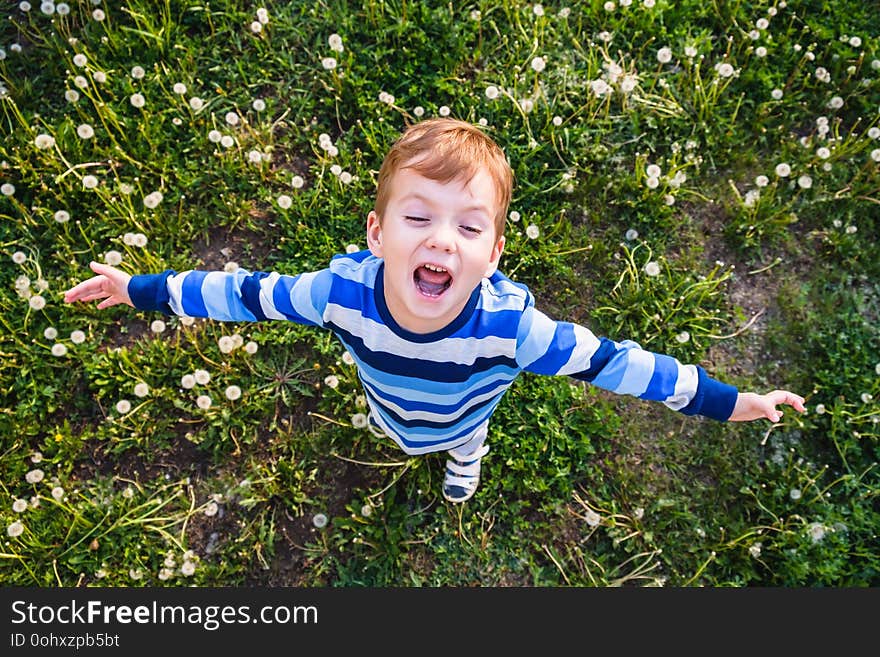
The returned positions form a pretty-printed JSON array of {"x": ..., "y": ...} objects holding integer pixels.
[
  {"x": 110, "y": 284},
  {"x": 752, "y": 406}
]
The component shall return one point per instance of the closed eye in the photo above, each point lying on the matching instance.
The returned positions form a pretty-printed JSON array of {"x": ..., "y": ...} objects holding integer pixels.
[
  {"x": 472, "y": 229},
  {"x": 412, "y": 218}
]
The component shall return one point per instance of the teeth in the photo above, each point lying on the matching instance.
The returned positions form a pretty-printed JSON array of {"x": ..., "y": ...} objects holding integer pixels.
[{"x": 434, "y": 268}]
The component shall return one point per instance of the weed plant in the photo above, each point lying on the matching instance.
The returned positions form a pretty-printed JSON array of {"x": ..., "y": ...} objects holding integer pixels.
[{"x": 699, "y": 177}]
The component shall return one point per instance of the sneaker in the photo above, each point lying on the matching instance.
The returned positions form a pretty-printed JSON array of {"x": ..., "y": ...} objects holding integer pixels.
[{"x": 463, "y": 474}]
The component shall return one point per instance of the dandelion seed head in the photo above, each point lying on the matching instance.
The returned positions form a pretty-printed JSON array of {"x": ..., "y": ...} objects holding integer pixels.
[
  {"x": 820, "y": 409},
  {"x": 227, "y": 141},
  {"x": 683, "y": 337},
  {"x": 631, "y": 234},
  {"x": 113, "y": 258},
  {"x": 725, "y": 70},
  {"x": 34, "y": 476},
  {"x": 141, "y": 389},
  {"x": 804, "y": 181},
  {"x": 203, "y": 402},
  {"x": 319, "y": 520},
  {"x": 59, "y": 349},
  {"x": 71, "y": 95},
  {"x": 284, "y": 201},
  {"x": 419, "y": 111},
  {"x": 15, "y": 529},
  {"x": 359, "y": 421},
  {"x": 782, "y": 170},
  {"x": 538, "y": 64},
  {"x": 664, "y": 55},
  {"x": 77, "y": 336},
  {"x": 532, "y": 232},
  {"x": 492, "y": 92},
  {"x": 652, "y": 269},
  {"x": 137, "y": 100},
  {"x": 232, "y": 392},
  {"x": 187, "y": 381},
  {"x": 50, "y": 333},
  {"x": 443, "y": 110},
  {"x": 211, "y": 509},
  {"x": 196, "y": 103},
  {"x": 153, "y": 199}
]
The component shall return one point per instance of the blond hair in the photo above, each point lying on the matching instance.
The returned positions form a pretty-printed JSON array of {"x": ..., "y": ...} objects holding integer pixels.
[{"x": 446, "y": 150}]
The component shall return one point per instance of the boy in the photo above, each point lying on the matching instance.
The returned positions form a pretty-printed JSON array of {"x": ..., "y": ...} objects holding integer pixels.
[{"x": 437, "y": 333}]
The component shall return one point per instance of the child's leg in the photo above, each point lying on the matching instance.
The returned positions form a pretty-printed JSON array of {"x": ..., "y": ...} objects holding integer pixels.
[{"x": 463, "y": 470}]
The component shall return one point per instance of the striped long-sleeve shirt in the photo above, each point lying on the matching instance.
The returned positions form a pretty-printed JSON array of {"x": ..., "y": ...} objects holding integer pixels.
[{"x": 432, "y": 392}]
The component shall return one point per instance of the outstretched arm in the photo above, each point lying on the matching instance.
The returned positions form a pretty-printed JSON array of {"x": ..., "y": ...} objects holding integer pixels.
[
  {"x": 752, "y": 406},
  {"x": 110, "y": 284}
]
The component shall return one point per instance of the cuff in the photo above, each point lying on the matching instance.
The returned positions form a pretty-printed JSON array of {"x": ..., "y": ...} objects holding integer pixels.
[
  {"x": 713, "y": 399},
  {"x": 149, "y": 291}
]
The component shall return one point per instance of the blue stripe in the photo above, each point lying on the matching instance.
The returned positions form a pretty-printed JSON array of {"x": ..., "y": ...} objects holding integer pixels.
[
  {"x": 600, "y": 358},
  {"x": 559, "y": 351},
  {"x": 453, "y": 391},
  {"x": 191, "y": 294},
  {"x": 250, "y": 294},
  {"x": 453, "y": 408},
  {"x": 662, "y": 383},
  {"x": 400, "y": 365},
  {"x": 432, "y": 424}
]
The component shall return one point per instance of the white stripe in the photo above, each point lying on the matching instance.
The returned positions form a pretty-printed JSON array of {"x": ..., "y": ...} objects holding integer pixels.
[
  {"x": 586, "y": 346},
  {"x": 175, "y": 292},
  {"x": 685, "y": 387},
  {"x": 440, "y": 417},
  {"x": 539, "y": 338},
  {"x": 379, "y": 338},
  {"x": 638, "y": 372},
  {"x": 363, "y": 272}
]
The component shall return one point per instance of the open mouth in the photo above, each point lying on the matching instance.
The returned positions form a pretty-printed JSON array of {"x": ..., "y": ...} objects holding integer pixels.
[{"x": 432, "y": 280}]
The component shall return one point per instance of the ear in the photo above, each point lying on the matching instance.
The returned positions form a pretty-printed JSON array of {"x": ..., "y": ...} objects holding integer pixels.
[
  {"x": 495, "y": 256},
  {"x": 374, "y": 234}
]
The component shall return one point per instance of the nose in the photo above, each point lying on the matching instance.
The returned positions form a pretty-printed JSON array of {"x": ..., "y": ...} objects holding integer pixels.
[{"x": 442, "y": 237}]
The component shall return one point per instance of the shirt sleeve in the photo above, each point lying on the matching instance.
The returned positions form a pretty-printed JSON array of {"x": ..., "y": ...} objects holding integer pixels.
[
  {"x": 234, "y": 296},
  {"x": 546, "y": 346}
]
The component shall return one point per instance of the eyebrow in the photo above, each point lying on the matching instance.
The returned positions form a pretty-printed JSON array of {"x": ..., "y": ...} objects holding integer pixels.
[{"x": 418, "y": 197}]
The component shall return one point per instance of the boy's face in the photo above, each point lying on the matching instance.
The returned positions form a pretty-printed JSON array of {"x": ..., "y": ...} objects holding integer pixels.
[{"x": 438, "y": 242}]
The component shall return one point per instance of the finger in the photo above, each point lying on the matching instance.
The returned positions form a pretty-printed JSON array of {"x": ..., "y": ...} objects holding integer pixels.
[
  {"x": 86, "y": 287},
  {"x": 106, "y": 303},
  {"x": 94, "y": 296}
]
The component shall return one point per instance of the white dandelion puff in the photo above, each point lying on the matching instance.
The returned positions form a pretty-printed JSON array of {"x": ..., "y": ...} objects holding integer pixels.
[{"x": 652, "y": 268}]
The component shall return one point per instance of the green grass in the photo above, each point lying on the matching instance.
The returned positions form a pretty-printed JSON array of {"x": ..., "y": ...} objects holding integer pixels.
[{"x": 770, "y": 283}]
